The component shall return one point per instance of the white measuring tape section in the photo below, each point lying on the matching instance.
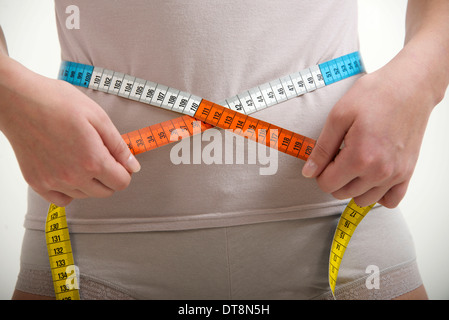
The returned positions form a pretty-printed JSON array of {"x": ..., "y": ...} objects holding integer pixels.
[
  {"x": 241, "y": 105},
  {"x": 247, "y": 102}
]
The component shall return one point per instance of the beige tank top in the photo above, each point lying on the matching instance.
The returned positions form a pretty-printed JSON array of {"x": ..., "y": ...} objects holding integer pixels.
[{"x": 213, "y": 49}]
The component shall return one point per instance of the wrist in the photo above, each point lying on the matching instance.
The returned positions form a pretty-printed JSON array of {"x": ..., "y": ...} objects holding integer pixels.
[
  {"x": 5, "y": 92},
  {"x": 15, "y": 80},
  {"x": 425, "y": 62},
  {"x": 417, "y": 76}
]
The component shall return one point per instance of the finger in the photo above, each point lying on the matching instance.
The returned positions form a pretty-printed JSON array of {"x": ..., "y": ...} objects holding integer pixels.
[
  {"x": 328, "y": 143},
  {"x": 371, "y": 196},
  {"x": 354, "y": 188},
  {"x": 75, "y": 194},
  {"x": 115, "y": 144},
  {"x": 339, "y": 173},
  {"x": 360, "y": 185},
  {"x": 96, "y": 189},
  {"x": 113, "y": 176},
  {"x": 58, "y": 198},
  {"x": 394, "y": 196}
]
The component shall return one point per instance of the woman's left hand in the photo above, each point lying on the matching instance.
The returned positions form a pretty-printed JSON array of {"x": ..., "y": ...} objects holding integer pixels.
[{"x": 381, "y": 120}]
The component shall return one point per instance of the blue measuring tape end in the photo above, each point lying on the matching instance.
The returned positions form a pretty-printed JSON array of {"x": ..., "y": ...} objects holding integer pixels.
[
  {"x": 341, "y": 68},
  {"x": 76, "y": 73}
]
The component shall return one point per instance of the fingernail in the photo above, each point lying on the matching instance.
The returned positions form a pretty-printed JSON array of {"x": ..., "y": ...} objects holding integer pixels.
[
  {"x": 309, "y": 169},
  {"x": 133, "y": 164}
]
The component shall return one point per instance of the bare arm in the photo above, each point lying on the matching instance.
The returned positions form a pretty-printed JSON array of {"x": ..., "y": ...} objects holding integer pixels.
[
  {"x": 427, "y": 42},
  {"x": 3, "y": 46},
  {"x": 382, "y": 118}
]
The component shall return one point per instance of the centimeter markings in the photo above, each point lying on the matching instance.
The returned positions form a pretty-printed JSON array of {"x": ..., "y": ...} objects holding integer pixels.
[
  {"x": 159, "y": 95},
  {"x": 232, "y": 113},
  {"x": 349, "y": 220},
  {"x": 247, "y": 102},
  {"x": 63, "y": 269},
  {"x": 282, "y": 139}
]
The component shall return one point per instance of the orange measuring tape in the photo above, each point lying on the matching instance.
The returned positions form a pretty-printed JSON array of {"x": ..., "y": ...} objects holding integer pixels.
[
  {"x": 214, "y": 115},
  {"x": 234, "y": 117}
]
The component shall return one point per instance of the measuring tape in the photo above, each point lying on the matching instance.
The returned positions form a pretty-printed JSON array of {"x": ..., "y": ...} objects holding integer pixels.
[
  {"x": 63, "y": 269},
  {"x": 232, "y": 113}
]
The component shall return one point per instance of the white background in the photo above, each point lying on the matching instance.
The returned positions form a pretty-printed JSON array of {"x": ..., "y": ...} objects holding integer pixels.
[{"x": 30, "y": 29}]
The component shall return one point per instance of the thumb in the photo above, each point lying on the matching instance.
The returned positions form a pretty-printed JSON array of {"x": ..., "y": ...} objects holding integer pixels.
[
  {"x": 116, "y": 145},
  {"x": 123, "y": 155},
  {"x": 327, "y": 145}
]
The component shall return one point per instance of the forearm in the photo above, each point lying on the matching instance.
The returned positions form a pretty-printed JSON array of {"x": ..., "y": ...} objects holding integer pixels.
[
  {"x": 3, "y": 46},
  {"x": 426, "y": 46},
  {"x": 5, "y": 71},
  {"x": 14, "y": 84},
  {"x": 382, "y": 118},
  {"x": 14, "y": 88}
]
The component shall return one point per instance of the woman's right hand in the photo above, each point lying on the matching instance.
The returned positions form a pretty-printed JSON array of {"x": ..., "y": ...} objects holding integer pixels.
[{"x": 65, "y": 144}]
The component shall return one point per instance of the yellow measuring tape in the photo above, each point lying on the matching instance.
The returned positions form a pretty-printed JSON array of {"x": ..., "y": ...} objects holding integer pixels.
[
  {"x": 63, "y": 269},
  {"x": 229, "y": 114},
  {"x": 66, "y": 275},
  {"x": 349, "y": 220}
]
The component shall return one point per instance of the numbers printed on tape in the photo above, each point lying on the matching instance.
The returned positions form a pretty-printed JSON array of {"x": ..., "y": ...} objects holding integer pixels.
[
  {"x": 349, "y": 220},
  {"x": 64, "y": 272},
  {"x": 232, "y": 113}
]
